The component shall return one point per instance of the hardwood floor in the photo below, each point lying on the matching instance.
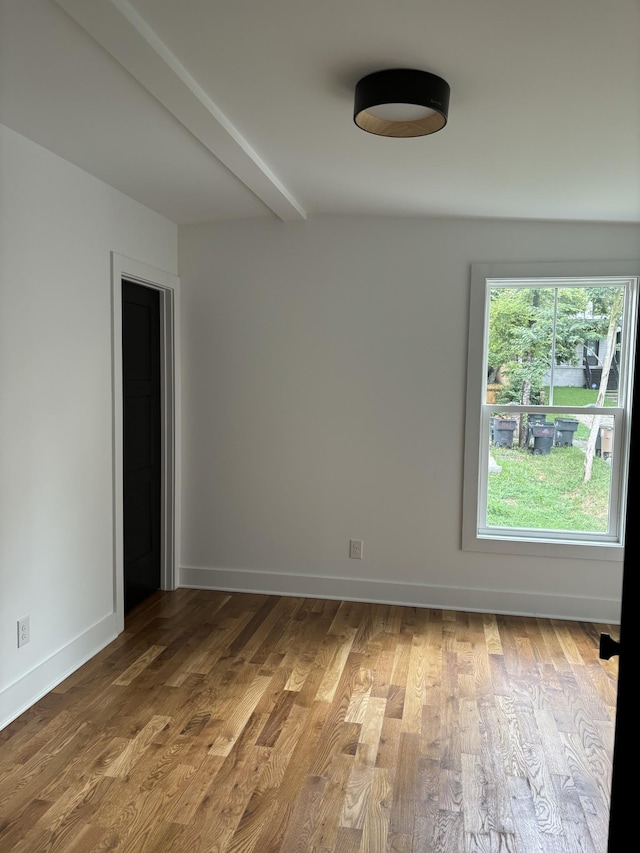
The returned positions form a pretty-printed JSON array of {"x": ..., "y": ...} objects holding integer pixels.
[{"x": 236, "y": 722}]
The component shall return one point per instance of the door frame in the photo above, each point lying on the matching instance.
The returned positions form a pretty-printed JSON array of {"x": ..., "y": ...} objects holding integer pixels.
[{"x": 168, "y": 286}]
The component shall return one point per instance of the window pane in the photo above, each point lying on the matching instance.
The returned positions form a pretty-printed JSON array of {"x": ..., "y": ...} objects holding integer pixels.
[
  {"x": 520, "y": 344},
  {"x": 602, "y": 345},
  {"x": 543, "y": 341},
  {"x": 537, "y": 471}
]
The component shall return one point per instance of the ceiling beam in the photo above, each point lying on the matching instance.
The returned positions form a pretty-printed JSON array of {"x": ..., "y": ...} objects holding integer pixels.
[{"x": 122, "y": 32}]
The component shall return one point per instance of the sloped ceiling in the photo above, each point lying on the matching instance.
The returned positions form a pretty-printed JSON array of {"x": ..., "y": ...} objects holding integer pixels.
[{"x": 223, "y": 109}]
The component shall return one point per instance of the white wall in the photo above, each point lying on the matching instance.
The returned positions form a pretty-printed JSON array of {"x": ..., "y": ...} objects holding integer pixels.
[
  {"x": 58, "y": 226},
  {"x": 324, "y": 372}
]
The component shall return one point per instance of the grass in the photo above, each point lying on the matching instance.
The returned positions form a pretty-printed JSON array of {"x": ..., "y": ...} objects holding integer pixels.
[
  {"x": 578, "y": 397},
  {"x": 547, "y": 492}
]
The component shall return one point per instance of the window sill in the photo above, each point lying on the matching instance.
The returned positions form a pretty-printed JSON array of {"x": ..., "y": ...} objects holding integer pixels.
[{"x": 521, "y": 547}]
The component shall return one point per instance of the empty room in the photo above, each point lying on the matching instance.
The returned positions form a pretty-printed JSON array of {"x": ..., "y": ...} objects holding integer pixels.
[{"x": 318, "y": 337}]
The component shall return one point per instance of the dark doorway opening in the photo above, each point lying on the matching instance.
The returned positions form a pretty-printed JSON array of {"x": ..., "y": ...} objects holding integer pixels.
[{"x": 142, "y": 433}]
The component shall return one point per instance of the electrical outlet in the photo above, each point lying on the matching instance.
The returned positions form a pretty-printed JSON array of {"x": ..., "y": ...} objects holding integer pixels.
[
  {"x": 355, "y": 549},
  {"x": 24, "y": 631}
]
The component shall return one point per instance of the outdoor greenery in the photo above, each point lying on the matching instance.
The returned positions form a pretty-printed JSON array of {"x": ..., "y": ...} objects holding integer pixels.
[
  {"x": 578, "y": 397},
  {"x": 530, "y": 326},
  {"x": 531, "y": 330},
  {"x": 547, "y": 491}
]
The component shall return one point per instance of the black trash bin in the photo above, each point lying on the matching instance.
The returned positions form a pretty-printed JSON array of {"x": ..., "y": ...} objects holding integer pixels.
[
  {"x": 565, "y": 428},
  {"x": 543, "y": 435},
  {"x": 503, "y": 429},
  {"x": 532, "y": 420}
]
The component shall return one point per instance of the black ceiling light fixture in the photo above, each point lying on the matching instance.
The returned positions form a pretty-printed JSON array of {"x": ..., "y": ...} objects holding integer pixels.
[{"x": 401, "y": 102}]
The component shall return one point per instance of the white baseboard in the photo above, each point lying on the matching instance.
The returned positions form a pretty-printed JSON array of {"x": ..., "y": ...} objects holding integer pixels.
[
  {"x": 33, "y": 685},
  {"x": 507, "y": 602}
]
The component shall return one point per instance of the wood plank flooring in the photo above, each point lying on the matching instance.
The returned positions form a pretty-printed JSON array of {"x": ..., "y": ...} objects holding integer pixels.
[{"x": 233, "y": 723}]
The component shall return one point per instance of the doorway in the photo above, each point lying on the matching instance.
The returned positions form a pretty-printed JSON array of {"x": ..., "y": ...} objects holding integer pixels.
[
  {"x": 141, "y": 430},
  {"x": 158, "y": 515}
]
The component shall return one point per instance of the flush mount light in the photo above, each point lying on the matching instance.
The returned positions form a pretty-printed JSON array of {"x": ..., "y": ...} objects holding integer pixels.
[{"x": 401, "y": 102}]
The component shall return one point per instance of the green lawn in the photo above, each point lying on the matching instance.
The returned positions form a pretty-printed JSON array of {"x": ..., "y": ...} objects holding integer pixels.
[
  {"x": 574, "y": 397},
  {"x": 547, "y": 492}
]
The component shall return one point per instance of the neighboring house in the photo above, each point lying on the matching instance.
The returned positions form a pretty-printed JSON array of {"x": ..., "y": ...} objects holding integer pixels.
[{"x": 587, "y": 370}]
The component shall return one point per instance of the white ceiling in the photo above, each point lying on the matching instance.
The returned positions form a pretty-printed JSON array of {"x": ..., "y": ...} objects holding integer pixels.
[{"x": 219, "y": 109}]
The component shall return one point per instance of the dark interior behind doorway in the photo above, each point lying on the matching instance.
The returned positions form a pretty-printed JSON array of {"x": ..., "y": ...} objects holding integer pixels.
[{"x": 142, "y": 476}]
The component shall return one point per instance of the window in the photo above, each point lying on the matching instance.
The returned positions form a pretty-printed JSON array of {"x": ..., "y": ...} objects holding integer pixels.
[{"x": 549, "y": 390}]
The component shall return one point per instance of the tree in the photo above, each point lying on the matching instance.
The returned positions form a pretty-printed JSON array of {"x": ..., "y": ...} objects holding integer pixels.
[
  {"x": 528, "y": 326},
  {"x": 615, "y": 298}
]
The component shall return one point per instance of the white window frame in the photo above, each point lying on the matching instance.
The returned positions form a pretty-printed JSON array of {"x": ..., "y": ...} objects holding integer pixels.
[{"x": 476, "y": 537}]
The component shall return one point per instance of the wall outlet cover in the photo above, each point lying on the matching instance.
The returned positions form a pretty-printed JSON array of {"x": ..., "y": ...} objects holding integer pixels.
[{"x": 355, "y": 549}]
